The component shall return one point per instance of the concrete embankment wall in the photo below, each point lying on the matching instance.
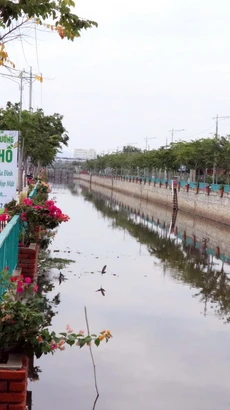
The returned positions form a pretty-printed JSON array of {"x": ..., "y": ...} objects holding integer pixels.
[
  {"x": 207, "y": 205},
  {"x": 193, "y": 226}
]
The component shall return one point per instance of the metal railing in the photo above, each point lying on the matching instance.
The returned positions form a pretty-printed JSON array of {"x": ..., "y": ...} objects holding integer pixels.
[
  {"x": 9, "y": 247},
  {"x": 33, "y": 193},
  {"x": 192, "y": 185},
  {"x": 9, "y": 239}
]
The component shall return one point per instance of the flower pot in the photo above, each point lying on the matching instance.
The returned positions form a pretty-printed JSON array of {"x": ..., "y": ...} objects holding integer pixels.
[{"x": 221, "y": 192}]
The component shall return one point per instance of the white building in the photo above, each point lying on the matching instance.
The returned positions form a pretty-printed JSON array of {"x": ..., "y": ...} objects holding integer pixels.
[
  {"x": 64, "y": 159},
  {"x": 84, "y": 154}
]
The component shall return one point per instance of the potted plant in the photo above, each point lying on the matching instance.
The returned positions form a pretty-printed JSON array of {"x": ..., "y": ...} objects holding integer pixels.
[
  {"x": 24, "y": 322},
  {"x": 221, "y": 190},
  {"x": 208, "y": 189},
  {"x": 37, "y": 218}
]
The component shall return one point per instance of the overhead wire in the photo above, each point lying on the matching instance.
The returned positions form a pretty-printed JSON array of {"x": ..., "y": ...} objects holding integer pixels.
[
  {"x": 201, "y": 132},
  {"x": 36, "y": 46},
  {"x": 23, "y": 50}
]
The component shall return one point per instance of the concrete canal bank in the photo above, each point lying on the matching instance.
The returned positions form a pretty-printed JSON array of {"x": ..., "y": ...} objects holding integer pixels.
[{"x": 210, "y": 205}]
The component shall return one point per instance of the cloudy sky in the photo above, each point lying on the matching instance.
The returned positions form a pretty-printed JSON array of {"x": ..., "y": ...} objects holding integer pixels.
[{"x": 149, "y": 67}]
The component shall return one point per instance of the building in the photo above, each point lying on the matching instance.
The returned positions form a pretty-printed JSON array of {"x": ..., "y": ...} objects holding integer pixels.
[
  {"x": 64, "y": 159},
  {"x": 84, "y": 154}
]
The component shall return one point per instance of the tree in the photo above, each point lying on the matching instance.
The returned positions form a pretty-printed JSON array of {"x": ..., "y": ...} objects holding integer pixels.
[
  {"x": 18, "y": 14},
  {"x": 42, "y": 136},
  {"x": 130, "y": 149}
]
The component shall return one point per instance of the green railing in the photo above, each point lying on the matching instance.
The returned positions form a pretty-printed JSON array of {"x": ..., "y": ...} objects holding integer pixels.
[
  {"x": 9, "y": 238},
  {"x": 33, "y": 193},
  {"x": 9, "y": 246}
]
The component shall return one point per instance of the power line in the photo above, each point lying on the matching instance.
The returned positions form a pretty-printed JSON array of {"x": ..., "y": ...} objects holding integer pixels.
[
  {"x": 201, "y": 132},
  {"x": 36, "y": 45},
  {"x": 23, "y": 50}
]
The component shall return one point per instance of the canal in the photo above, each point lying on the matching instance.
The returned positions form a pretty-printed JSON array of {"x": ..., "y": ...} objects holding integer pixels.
[{"x": 166, "y": 303}]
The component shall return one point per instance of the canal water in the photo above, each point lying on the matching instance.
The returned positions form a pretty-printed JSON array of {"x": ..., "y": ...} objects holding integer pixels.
[{"x": 166, "y": 305}]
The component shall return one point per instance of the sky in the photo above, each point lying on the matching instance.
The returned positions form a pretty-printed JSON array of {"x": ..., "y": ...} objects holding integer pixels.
[{"x": 148, "y": 68}]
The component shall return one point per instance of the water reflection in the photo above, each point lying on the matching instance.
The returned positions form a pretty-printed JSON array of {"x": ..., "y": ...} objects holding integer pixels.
[
  {"x": 181, "y": 260},
  {"x": 165, "y": 354}
]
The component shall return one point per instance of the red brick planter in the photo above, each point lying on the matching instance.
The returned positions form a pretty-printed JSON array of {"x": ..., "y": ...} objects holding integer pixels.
[
  {"x": 28, "y": 260},
  {"x": 13, "y": 384}
]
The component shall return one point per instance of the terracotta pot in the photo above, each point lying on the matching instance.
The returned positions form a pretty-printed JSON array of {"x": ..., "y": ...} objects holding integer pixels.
[{"x": 221, "y": 192}]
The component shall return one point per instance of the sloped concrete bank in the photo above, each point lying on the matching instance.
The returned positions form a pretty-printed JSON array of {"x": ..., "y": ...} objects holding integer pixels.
[{"x": 204, "y": 204}]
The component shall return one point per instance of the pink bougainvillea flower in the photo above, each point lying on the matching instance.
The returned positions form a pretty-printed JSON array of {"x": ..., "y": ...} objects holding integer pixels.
[
  {"x": 28, "y": 280},
  {"x": 53, "y": 346},
  {"x": 69, "y": 330},
  {"x": 19, "y": 289},
  {"x": 81, "y": 332},
  {"x": 35, "y": 288},
  {"x": 28, "y": 202},
  {"x": 24, "y": 216},
  {"x": 4, "y": 217}
]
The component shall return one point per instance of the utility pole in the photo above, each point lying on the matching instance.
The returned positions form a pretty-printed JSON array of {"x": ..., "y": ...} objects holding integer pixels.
[
  {"x": 173, "y": 131},
  {"x": 30, "y": 90},
  {"x": 146, "y": 141},
  {"x": 20, "y": 142},
  {"x": 217, "y": 118},
  {"x": 28, "y": 77}
]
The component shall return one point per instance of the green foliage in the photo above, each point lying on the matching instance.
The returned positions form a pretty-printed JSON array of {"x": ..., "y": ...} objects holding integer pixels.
[
  {"x": 25, "y": 317},
  {"x": 199, "y": 155},
  {"x": 68, "y": 24},
  {"x": 130, "y": 149},
  {"x": 41, "y": 135}
]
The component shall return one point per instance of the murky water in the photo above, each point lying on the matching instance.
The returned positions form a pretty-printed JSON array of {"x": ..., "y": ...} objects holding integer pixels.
[{"x": 166, "y": 306}]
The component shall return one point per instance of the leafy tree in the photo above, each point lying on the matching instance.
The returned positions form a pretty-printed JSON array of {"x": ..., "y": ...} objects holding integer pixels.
[
  {"x": 130, "y": 149},
  {"x": 18, "y": 14},
  {"x": 199, "y": 155},
  {"x": 42, "y": 136}
]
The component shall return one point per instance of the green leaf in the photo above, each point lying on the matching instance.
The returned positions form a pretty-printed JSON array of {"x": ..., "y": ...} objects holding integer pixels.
[{"x": 97, "y": 342}]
